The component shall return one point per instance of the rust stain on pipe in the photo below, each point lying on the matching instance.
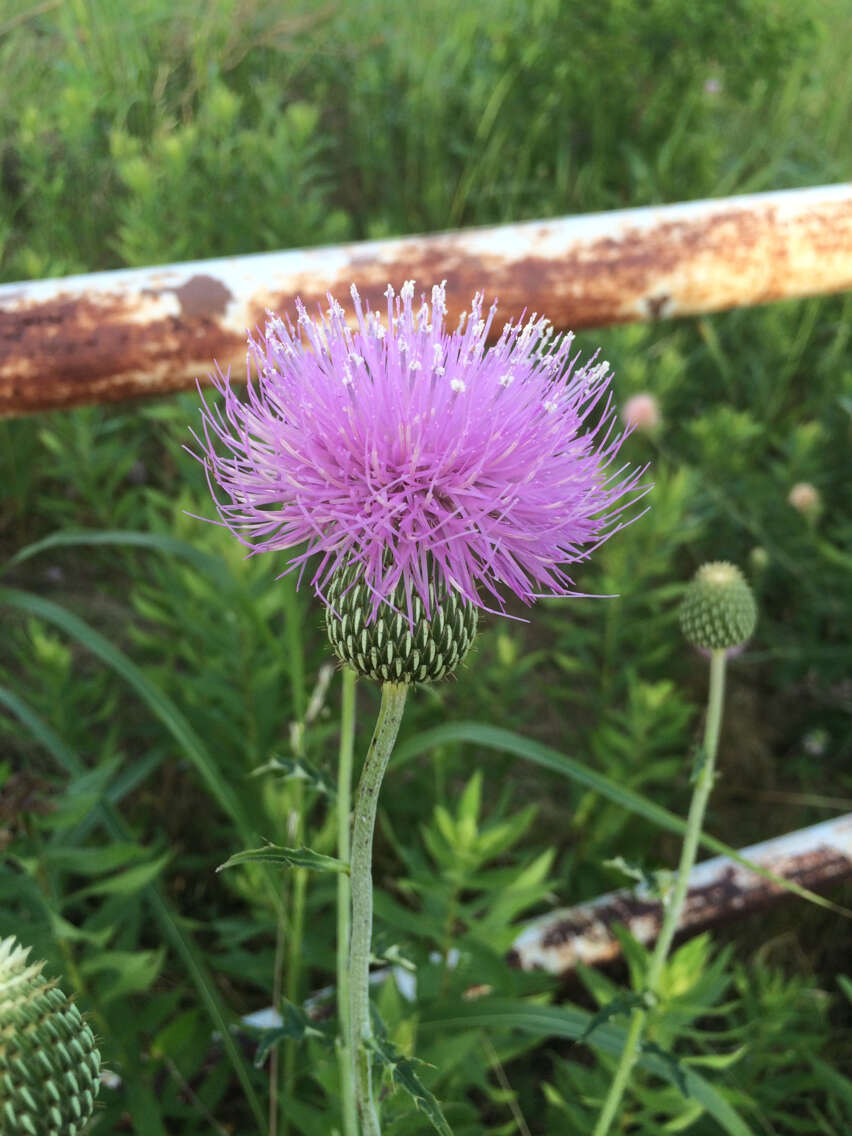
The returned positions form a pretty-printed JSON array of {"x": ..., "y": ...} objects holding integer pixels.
[
  {"x": 719, "y": 889},
  {"x": 110, "y": 336}
]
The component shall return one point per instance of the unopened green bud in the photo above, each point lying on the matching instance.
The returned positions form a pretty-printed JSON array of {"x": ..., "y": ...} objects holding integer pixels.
[
  {"x": 388, "y": 647},
  {"x": 49, "y": 1065},
  {"x": 758, "y": 560},
  {"x": 718, "y": 609}
]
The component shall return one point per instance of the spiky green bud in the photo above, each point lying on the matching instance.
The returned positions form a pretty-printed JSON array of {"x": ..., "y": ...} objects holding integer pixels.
[
  {"x": 49, "y": 1065},
  {"x": 718, "y": 610},
  {"x": 389, "y": 647}
]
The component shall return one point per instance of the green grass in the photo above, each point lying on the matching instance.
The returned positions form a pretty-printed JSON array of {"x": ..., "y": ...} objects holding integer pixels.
[{"x": 152, "y": 667}]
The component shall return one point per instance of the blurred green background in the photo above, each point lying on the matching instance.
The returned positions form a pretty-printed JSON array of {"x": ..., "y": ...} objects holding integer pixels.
[{"x": 143, "y": 676}]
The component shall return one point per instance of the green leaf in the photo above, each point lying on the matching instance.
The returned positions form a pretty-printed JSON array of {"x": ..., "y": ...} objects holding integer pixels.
[
  {"x": 63, "y": 931},
  {"x": 393, "y": 956},
  {"x": 623, "y": 1004},
  {"x": 61, "y": 753},
  {"x": 494, "y": 737},
  {"x": 717, "y": 1060},
  {"x": 136, "y": 971},
  {"x": 82, "y": 795},
  {"x": 403, "y": 1073},
  {"x": 160, "y": 705},
  {"x": 193, "y": 960},
  {"x": 569, "y": 1022},
  {"x": 835, "y": 1083},
  {"x": 128, "y": 882},
  {"x": 157, "y": 542},
  {"x": 93, "y": 861},
  {"x": 678, "y": 1074},
  {"x": 295, "y": 1026},
  {"x": 143, "y": 1108},
  {"x": 297, "y": 769},
  {"x": 286, "y": 858},
  {"x": 650, "y": 881}
]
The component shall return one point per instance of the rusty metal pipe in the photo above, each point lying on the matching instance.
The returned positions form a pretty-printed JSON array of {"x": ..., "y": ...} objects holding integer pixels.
[
  {"x": 718, "y": 889},
  {"x": 112, "y": 335}
]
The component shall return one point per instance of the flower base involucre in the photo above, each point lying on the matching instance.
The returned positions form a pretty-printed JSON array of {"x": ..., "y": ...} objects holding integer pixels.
[
  {"x": 393, "y": 647},
  {"x": 49, "y": 1066}
]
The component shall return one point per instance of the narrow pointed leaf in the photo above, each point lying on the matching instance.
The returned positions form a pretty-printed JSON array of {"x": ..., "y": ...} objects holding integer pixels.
[
  {"x": 295, "y": 1026},
  {"x": 156, "y": 542},
  {"x": 286, "y": 858},
  {"x": 297, "y": 769},
  {"x": 677, "y": 1071},
  {"x": 622, "y": 1005},
  {"x": 403, "y": 1072}
]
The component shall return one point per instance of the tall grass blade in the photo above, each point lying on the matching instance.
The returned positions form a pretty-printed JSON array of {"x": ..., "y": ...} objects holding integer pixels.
[
  {"x": 161, "y": 706},
  {"x": 157, "y": 542}
]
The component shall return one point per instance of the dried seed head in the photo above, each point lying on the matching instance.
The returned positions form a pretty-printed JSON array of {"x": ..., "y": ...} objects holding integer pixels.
[
  {"x": 49, "y": 1066},
  {"x": 393, "y": 646},
  {"x": 718, "y": 610}
]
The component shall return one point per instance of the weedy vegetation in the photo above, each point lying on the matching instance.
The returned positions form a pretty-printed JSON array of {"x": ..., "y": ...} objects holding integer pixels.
[{"x": 166, "y": 702}]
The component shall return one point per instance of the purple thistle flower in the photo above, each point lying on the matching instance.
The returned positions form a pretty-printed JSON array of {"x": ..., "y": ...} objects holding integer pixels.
[{"x": 412, "y": 451}]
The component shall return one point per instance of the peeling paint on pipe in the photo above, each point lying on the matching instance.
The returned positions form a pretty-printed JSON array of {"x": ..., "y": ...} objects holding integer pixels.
[
  {"x": 113, "y": 335},
  {"x": 718, "y": 889}
]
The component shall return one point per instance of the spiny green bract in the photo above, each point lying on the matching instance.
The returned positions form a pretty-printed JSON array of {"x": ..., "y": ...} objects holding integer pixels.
[
  {"x": 718, "y": 609},
  {"x": 390, "y": 648},
  {"x": 49, "y": 1066}
]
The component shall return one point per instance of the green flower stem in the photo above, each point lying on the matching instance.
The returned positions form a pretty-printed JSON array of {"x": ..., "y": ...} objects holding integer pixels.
[
  {"x": 296, "y": 824},
  {"x": 361, "y": 882},
  {"x": 674, "y": 904},
  {"x": 344, "y": 898}
]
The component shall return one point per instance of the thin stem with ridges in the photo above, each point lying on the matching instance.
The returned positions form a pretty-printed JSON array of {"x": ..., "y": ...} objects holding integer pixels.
[
  {"x": 344, "y": 898},
  {"x": 299, "y": 877},
  {"x": 674, "y": 906},
  {"x": 361, "y": 882}
]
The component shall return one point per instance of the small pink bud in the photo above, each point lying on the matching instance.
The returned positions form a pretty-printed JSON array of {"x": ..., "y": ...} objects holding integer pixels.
[{"x": 642, "y": 412}]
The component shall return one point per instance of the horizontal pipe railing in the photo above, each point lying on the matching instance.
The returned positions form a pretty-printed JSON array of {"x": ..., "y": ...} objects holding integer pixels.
[
  {"x": 719, "y": 889},
  {"x": 112, "y": 335}
]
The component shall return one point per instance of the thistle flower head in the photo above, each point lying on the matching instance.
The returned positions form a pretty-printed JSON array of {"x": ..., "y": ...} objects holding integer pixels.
[
  {"x": 718, "y": 611},
  {"x": 416, "y": 454},
  {"x": 49, "y": 1066}
]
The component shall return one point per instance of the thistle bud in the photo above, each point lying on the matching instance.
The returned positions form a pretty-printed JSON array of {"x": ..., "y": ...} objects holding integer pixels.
[
  {"x": 49, "y": 1066},
  {"x": 718, "y": 610},
  {"x": 390, "y": 647},
  {"x": 806, "y": 499},
  {"x": 758, "y": 560},
  {"x": 642, "y": 412}
]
